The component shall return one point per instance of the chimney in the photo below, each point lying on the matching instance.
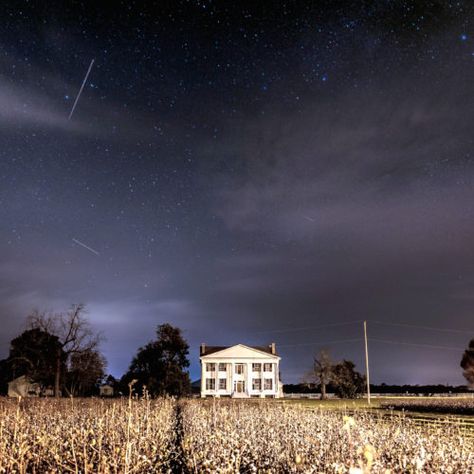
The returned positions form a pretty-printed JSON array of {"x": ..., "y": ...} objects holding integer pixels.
[
  {"x": 202, "y": 350},
  {"x": 272, "y": 348}
]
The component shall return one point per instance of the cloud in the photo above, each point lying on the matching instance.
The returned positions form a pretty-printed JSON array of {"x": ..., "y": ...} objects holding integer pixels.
[
  {"x": 354, "y": 153},
  {"x": 355, "y": 207},
  {"x": 38, "y": 97},
  {"x": 33, "y": 109}
]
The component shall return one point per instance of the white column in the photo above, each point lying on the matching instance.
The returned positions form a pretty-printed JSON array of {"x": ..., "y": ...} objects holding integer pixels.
[
  {"x": 203, "y": 380},
  {"x": 248, "y": 382},
  {"x": 275, "y": 378},
  {"x": 232, "y": 371}
]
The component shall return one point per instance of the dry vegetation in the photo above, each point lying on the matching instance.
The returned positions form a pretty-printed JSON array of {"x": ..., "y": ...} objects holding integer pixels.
[
  {"x": 109, "y": 436},
  {"x": 234, "y": 437},
  {"x": 454, "y": 405},
  {"x": 86, "y": 435}
]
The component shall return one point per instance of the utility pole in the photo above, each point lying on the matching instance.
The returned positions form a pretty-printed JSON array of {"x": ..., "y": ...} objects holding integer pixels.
[{"x": 367, "y": 362}]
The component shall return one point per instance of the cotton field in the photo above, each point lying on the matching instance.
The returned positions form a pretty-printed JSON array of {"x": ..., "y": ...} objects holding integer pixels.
[
  {"x": 86, "y": 435},
  {"x": 235, "y": 437},
  {"x": 207, "y": 436},
  {"x": 453, "y": 405}
]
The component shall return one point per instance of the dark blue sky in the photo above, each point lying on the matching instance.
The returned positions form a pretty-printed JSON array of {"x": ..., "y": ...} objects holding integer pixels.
[{"x": 244, "y": 171}]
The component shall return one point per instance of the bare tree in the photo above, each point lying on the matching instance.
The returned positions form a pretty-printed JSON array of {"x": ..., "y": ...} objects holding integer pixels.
[
  {"x": 73, "y": 331},
  {"x": 322, "y": 370}
]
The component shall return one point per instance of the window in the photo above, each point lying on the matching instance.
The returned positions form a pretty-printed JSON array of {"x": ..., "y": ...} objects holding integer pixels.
[
  {"x": 256, "y": 367},
  {"x": 210, "y": 367},
  {"x": 210, "y": 384},
  {"x": 222, "y": 367},
  {"x": 256, "y": 384},
  {"x": 222, "y": 384},
  {"x": 267, "y": 367},
  {"x": 268, "y": 384},
  {"x": 239, "y": 368}
]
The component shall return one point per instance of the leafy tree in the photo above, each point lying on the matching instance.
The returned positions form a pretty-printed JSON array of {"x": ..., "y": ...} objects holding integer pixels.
[
  {"x": 161, "y": 365},
  {"x": 347, "y": 382},
  {"x": 5, "y": 376},
  {"x": 73, "y": 332},
  {"x": 467, "y": 363},
  {"x": 86, "y": 371},
  {"x": 34, "y": 353}
]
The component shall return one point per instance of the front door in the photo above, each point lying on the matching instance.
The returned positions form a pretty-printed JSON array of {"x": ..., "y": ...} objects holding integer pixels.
[{"x": 240, "y": 386}]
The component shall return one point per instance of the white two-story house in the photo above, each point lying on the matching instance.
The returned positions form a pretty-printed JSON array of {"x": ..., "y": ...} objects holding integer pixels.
[{"x": 240, "y": 371}]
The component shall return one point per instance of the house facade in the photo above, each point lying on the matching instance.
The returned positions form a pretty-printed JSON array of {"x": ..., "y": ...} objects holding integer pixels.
[{"x": 240, "y": 371}]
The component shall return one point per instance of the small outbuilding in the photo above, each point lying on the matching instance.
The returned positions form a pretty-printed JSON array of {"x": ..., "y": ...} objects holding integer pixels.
[
  {"x": 106, "y": 390},
  {"x": 23, "y": 387}
]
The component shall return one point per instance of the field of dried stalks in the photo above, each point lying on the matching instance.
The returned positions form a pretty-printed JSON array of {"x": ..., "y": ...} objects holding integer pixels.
[
  {"x": 454, "y": 405},
  {"x": 85, "y": 435},
  {"x": 137, "y": 436}
]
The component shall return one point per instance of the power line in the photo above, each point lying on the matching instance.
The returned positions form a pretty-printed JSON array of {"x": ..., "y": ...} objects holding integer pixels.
[
  {"x": 370, "y": 339},
  {"x": 347, "y": 323},
  {"x": 428, "y": 346},
  {"x": 430, "y": 328},
  {"x": 318, "y": 343},
  {"x": 272, "y": 331}
]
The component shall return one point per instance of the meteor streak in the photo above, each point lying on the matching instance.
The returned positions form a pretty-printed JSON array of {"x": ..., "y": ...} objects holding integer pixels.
[
  {"x": 80, "y": 90},
  {"x": 85, "y": 246}
]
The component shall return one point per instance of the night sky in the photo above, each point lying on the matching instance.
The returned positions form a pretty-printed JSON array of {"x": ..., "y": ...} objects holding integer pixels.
[{"x": 248, "y": 171}]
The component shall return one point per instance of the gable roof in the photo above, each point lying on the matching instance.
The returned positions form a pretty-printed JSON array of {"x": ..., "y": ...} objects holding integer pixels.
[
  {"x": 208, "y": 350},
  {"x": 20, "y": 379}
]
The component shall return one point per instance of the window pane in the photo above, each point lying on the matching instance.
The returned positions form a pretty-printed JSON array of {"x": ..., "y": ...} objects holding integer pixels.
[
  {"x": 210, "y": 384},
  {"x": 256, "y": 367},
  {"x": 268, "y": 384},
  {"x": 222, "y": 367},
  {"x": 256, "y": 384},
  {"x": 239, "y": 368},
  {"x": 267, "y": 367},
  {"x": 210, "y": 367},
  {"x": 222, "y": 384}
]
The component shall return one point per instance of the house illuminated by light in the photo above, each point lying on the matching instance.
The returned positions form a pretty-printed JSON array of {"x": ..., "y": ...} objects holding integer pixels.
[{"x": 240, "y": 371}]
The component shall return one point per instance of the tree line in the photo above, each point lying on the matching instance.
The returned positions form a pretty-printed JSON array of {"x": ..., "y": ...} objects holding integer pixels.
[
  {"x": 60, "y": 353},
  {"x": 342, "y": 379}
]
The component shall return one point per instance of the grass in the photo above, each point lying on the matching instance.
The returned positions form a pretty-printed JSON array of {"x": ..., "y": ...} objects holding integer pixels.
[{"x": 420, "y": 409}]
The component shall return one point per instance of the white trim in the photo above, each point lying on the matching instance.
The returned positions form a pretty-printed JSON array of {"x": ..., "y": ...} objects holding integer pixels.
[
  {"x": 218, "y": 354},
  {"x": 245, "y": 356}
]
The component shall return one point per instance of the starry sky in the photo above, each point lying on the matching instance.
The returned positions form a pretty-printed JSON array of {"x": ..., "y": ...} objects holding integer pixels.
[{"x": 248, "y": 171}]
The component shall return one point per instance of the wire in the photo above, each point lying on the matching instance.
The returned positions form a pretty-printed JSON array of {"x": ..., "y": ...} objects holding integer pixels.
[
  {"x": 428, "y": 346},
  {"x": 307, "y": 327},
  {"x": 387, "y": 341},
  {"x": 318, "y": 343},
  {"x": 430, "y": 328}
]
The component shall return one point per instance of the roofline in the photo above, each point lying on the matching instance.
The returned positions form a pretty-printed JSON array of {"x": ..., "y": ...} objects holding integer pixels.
[{"x": 268, "y": 354}]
